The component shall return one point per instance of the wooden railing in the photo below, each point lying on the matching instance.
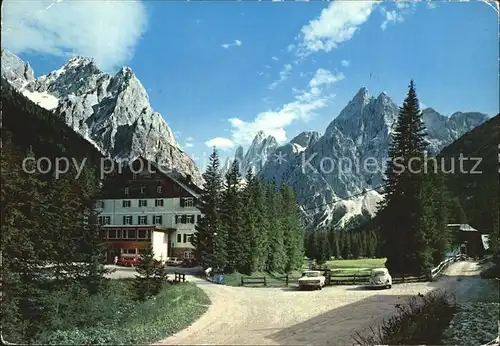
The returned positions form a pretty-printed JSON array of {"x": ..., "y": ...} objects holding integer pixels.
[{"x": 179, "y": 277}]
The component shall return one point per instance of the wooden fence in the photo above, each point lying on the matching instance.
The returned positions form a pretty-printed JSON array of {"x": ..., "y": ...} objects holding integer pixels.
[
  {"x": 179, "y": 277},
  {"x": 349, "y": 279},
  {"x": 266, "y": 281}
]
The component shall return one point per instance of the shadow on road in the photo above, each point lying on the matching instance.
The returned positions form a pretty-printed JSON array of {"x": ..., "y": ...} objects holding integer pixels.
[{"x": 340, "y": 325}]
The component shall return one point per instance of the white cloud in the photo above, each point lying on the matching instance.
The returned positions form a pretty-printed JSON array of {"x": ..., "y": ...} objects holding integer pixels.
[
  {"x": 275, "y": 58},
  {"x": 391, "y": 17},
  {"x": 345, "y": 63},
  {"x": 325, "y": 77},
  {"x": 335, "y": 25},
  {"x": 107, "y": 31},
  {"x": 189, "y": 142},
  {"x": 236, "y": 43},
  {"x": 284, "y": 74},
  {"x": 274, "y": 122},
  {"x": 220, "y": 143}
]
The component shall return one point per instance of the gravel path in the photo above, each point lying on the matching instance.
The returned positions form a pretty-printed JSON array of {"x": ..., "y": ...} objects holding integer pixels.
[{"x": 271, "y": 316}]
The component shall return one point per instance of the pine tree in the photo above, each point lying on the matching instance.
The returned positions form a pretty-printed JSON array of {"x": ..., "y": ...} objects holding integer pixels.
[
  {"x": 404, "y": 242},
  {"x": 232, "y": 218},
  {"x": 250, "y": 224},
  {"x": 151, "y": 275},
  {"x": 262, "y": 235},
  {"x": 324, "y": 252},
  {"x": 292, "y": 229},
  {"x": 277, "y": 257},
  {"x": 204, "y": 240}
]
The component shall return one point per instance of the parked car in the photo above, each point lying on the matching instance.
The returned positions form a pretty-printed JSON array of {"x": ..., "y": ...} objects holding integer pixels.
[
  {"x": 380, "y": 277},
  {"x": 312, "y": 279},
  {"x": 128, "y": 261},
  {"x": 174, "y": 262}
]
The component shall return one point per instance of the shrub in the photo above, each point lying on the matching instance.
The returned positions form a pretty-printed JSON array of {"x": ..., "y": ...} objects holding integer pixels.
[
  {"x": 474, "y": 324},
  {"x": 116, "y": 318},
  {"x": 420, "y": 322}
]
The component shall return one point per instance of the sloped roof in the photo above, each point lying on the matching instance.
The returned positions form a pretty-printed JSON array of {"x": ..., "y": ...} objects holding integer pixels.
[
  {"x": 185, "y": 186},
  {"x": 463, "y": 227}
]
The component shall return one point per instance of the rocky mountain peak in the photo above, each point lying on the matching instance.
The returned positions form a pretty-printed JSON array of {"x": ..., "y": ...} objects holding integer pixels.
[{"x": 112, "y": 112}]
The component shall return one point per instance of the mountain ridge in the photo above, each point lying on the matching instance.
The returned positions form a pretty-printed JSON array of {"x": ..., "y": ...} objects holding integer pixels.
[{"x": 112, "y": 112}]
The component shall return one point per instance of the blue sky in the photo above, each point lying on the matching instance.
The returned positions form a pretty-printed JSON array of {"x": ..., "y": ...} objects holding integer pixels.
[{"x": 220, "y": 71}]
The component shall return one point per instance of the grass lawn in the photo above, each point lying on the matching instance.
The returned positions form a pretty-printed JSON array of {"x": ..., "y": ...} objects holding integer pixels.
[
  {"x": 357, "y": 264},
  {"x": 120, "y": 320}
]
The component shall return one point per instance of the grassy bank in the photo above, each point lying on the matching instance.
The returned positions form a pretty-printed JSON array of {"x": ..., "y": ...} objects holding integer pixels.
[
  {"x": 115, "y": 318},
  {"x": 476, "y": 320},
  {"x": 420, "y": 322}
]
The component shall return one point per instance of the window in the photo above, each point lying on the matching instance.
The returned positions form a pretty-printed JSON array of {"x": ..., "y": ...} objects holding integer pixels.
[
  {"x": 183, "y": 218},
  {"x": 143, "y": 203},
  {"x": 99, "y": 204},
  {"x": 157, "y": 219},
  {"x": 177, "y": 219},
  {"x": 130, "y": 251},
  {"x": 190, "y": 219},
  {"x": 142, "y": 234},
  {"x": 143, "y": 220},
  {"x": 143, "y": 189},
  {"x": 187, "y": 202},
  {"x": 134, "y": 176},
  {"x": 104, "y": 220},
  {"x": 187, "y": 254},
  {"x": 126, "y": 204},
  {"x": 158, "y": 189},
  {"x": 198, "y": 219},
  {"x": 184, "y": 238},
  {"x": 177, "y": 188},
  {"x": 189, "y": 238},
  {"x": 158, "y": 202},
  {"x": 112, "y": 234},
  {"x": 179, "y": 238},
  {"x": 131, "y": 234},
  {"x": 127, "y": 190},
  {"x": 127, "y": 220}
]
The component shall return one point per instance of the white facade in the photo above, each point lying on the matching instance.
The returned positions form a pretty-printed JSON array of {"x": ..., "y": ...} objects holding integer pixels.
[{"x": 164, "y": 213}]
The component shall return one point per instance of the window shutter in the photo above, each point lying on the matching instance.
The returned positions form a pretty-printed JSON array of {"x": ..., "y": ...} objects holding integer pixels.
[
  {"x": 182, "y": 202},
  {"x": 124, "y": 220}
]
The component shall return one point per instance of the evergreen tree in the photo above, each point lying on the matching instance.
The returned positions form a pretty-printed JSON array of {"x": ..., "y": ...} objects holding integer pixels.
[
  {"x": 404, "y": 241},
  {"x": 250, "y": 227},
  {"x": 292, "y": 229},
  {"x": 324, "y": 252},
  {"x": 346, "y": 245},
  {"x": 204, "y": 240},
  {"x": 232, "y": 218},
  {"x": 262, "y": 235},
  {"x": 151, "y": 276},
  {"x": 277, "y": 257}
]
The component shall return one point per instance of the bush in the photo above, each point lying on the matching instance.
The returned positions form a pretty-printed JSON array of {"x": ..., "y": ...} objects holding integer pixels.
[
  {"x": 421, "y": 322},
  {"x": 474, "y": 324}
]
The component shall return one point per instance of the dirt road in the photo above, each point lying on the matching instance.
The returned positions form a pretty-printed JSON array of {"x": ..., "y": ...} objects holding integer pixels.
[{"x": 270, "y": 316}]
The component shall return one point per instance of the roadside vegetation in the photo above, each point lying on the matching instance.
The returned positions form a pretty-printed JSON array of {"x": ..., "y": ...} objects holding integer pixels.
[
  {"x": 419, "y": 322},
  {"x": 476, "y": 321},
  {"x": 115, "y": 317}
]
